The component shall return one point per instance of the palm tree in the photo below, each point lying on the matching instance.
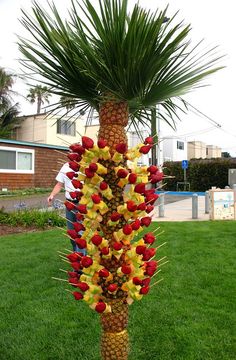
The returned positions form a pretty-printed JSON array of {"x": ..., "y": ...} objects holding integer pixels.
[
  {"x": 121, "y": 65},
  {"x": 39, "y": 94},
  {"x": 8, "y": 112}
]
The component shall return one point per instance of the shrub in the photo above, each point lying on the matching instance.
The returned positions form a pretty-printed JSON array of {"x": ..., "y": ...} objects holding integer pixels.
[{"x": 37, "y": 218}]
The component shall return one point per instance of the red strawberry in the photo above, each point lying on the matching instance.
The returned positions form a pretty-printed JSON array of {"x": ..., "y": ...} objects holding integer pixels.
[
  {"x": 115, "y": 216},
  {"x": 74, "y": 157},
  {"x": 146, "y": 281},
  {"x": 112, "y": 287},
  {"x": 146, "y": 221},
  {"x": 82, "y": 208},
  {"x": 83, "y": 286},
  {"x": 93, "y": 167},
  {"x": 136, "y": 224},
  {"x": 137, "y": 281},
  {"x": 151, "y": 198},
  {"x": 139, "y": 188},
  {"x": 126, "y": 269},
  {"x": 73, "y": 274},
  {"x": 145, "y": 149},
  {"x": 103, "y": 273},
  {"x": 152, "y": 169},
  {"x": 131, "y": 206},
  {"x": 89, "y": 174},
  {"x": 152, "y": 263},
  {"x": 100, "y": 307},
  {"x": 122, "y": 173},
  {"x": 96, "y": 198},
  {"x": 142, "y": 206},
  {"x": 75, "y": 265},
  {"x": 73, "y": 281},
  {"x": 73, "y": 257},
  {"x": 149, "y": 238},
  {"x": 140, "y": 249},
  {"x": 102, "y": 143},
  {"x": 149, "y": 208},
  {"x": 87, "y": 142},
  {"x": 158, "y": 176},
  {"x": 132, "y": 178},
  {"x": 105, "y": 250},
  {"x": 73, "y": 194},
  {"x": 149, "y": 140},
  {"x": 78, "y": 295},
  {"x": 144, "y": 290},
  {"x": 127, "y": 229},
  {"x": 86, "y": 261},
  {"x": 82, "y": 244},
  {"x": 77, "y": 148},
  {"x": 149, "y": 192},
  {"x": 78, "y": 226},
  {"x": 71, "y": 174},
  {"x": 121, "y": 148},
  {"x": 103, "y": 185},
  {"x": 74, "y": 166},
  {"x": 96, "y": 239},
  {"x": 77, "y": 184},
  {"x": 79, "y": 217},
  {"x": 117, "y": 245},
  {"x": 148, "y": 254},
  {"x": 72, "y": 233}
]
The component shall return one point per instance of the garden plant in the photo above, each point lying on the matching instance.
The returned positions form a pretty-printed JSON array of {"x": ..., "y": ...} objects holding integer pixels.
[{"x": 121, "y": 64}]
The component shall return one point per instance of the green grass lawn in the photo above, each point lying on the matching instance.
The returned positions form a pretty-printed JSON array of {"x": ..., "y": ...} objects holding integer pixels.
[{"x": 190, "y": 315}]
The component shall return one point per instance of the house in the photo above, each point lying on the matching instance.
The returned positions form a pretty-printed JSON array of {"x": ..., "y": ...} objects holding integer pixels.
[
  {"x": 49, "y": 129},
  {"x": 199, "y": 150},
  {"x": 28, "y": 165},
  {"x": 173, "y": 148}
]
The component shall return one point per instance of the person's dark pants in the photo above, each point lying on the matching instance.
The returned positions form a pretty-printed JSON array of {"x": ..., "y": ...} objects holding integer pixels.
[{"x": 71, "y": 217}]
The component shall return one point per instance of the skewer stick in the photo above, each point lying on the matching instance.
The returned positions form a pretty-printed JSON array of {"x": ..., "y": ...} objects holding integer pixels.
[
  {"x": 162, "y": 245},
  {"x": 63, "y": 270},
  {"x": 68, "y": 262},
  {"x": 64, "y": 141},
  {"x": 157, "y": 272},
  {"x": 54, "y": 278},
  {"x": 155, "y": 283},
  {"x": 60, "y": 252},
  {"x": 164, "y": 257},
  {"x": 164, "y": 263}
]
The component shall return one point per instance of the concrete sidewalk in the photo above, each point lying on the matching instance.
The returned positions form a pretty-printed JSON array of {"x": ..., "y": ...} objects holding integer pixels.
[{"x": 182, "y": 211}]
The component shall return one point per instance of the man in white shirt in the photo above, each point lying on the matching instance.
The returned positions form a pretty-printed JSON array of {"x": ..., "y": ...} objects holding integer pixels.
[{"x": 64, "y": 182}]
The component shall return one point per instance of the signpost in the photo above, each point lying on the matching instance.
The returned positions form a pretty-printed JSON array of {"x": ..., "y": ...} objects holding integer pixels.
[
  {"x": 185, "y": 183},
  {"x": 184, "y": 167}
]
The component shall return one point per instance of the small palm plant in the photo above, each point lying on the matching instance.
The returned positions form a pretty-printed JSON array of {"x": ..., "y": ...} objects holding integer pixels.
[{"x": 122, "y": 65}]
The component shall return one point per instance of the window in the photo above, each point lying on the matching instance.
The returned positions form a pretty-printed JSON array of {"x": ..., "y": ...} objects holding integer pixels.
[
  {"x": 66, "y": 127},
  {"x": 16, "y": 160},
  {"x": 180, "y": 145}
]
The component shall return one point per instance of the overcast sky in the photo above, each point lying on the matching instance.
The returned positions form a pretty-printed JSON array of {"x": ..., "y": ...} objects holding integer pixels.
[{"x": 213, "y": 21}]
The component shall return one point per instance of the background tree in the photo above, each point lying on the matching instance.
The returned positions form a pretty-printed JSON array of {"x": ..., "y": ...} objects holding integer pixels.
[
  {"x": 8, "y": 112},
  {"x": 39, "y": 94},
  {"x": 122, "y": 65}
]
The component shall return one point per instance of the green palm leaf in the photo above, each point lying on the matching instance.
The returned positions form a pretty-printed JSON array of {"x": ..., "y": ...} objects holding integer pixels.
[{"x": 137, "y": 57}]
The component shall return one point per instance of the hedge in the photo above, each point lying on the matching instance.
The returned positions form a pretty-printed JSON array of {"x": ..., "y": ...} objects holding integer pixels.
[{"x": 201, "y": 174}]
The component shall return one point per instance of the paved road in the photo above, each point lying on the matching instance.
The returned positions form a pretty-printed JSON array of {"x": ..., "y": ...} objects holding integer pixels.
[{"x": 40, "y": 201}]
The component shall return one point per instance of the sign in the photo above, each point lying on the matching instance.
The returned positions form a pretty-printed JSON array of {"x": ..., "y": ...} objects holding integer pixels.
[
  {"x": 184, "y": 164},
  {"x": 222, "y": 204}
]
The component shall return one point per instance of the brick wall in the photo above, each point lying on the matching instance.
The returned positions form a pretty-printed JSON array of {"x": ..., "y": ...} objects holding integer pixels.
[{"x": 46, "y": 161}]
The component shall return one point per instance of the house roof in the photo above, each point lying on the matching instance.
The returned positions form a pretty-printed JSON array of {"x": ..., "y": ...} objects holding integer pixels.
[{"x": 27, "y": 143}]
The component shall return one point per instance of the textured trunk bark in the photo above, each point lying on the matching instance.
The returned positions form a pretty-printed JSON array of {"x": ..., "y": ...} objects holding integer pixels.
[{"x": 113, "y": 117}]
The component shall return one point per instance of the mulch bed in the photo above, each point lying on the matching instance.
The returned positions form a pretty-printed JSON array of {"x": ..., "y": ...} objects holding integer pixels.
[{"x": 7, "y": 230}]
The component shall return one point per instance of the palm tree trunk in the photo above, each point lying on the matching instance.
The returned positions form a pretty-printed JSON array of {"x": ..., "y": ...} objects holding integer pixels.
[
  {"x": 113, "y": 118},
  {"x": 39, "y": 103}
]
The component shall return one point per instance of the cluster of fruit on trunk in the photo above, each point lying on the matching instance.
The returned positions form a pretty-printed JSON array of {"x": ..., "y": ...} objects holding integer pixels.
[{"x": 114, "y": 207}]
